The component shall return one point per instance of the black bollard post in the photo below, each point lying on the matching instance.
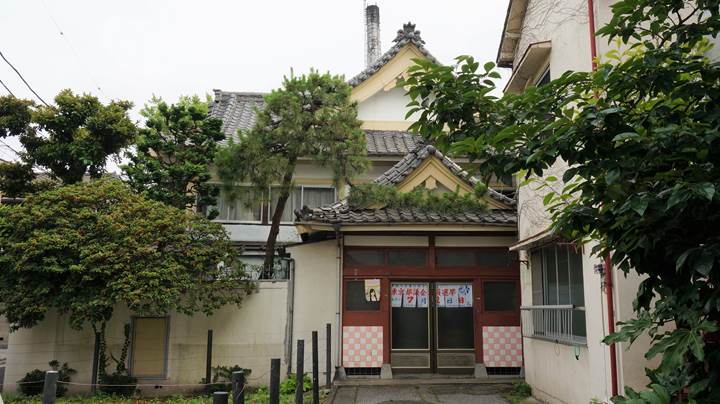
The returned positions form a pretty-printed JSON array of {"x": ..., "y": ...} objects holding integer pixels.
[
  {"x": 220, "y": 397},
  {"x": 274, "y": 381},
  {"x": 315, "y": 371},
  {"x": 300, "y": 372},
  {"x": 328, "y": 362},
  {"x": 208, "y": 358},
  {"x": 50, "y": 387},
  {"x": 238, "y": 387}
]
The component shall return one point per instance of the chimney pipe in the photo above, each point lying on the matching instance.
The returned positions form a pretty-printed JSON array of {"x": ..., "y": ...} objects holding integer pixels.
[{"x": 372, "y": 34}]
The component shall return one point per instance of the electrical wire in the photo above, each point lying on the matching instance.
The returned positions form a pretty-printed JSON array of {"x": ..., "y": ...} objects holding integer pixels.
[
  {"x": 23, "y": 79},
  {"x": 78, "y": 59},
  {"x": 6, "y": 88}
]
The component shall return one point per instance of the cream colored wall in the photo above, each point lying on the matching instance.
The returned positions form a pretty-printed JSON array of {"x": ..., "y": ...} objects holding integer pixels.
[
  {"x": 248, "y": 336},
  {"x": 316, "y": 300},
  {"x": 390, "y": 105},
  {"x": 389, "y": 241}
]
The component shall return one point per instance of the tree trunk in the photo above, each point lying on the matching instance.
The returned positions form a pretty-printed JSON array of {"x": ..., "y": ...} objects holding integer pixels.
[{"x": 277, "y": 216}]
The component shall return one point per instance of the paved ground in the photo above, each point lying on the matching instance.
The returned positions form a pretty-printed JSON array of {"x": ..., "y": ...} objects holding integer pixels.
[{"x": 422, "y": 394}]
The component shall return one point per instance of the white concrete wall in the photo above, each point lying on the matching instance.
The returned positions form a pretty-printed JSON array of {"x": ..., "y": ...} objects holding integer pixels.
[
  {"x": 248, "y": 336},
  {"x": 385, "y": 106},
  {"x": 316, "y": 300}
]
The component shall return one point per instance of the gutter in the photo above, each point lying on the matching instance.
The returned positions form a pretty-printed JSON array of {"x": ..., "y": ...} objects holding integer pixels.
[
  {"x": 289, "y": 316},
  {"x": 608, "y": 282}
]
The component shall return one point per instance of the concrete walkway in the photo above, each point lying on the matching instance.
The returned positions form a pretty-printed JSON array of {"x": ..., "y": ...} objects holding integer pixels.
[{"x": 422, "y": 394}]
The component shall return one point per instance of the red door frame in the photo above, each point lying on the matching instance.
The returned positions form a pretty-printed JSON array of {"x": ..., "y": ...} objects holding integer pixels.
[{"x": 430, "y": 273}]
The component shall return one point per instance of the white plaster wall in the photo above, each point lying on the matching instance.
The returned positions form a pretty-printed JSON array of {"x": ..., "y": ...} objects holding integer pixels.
[
  {"x": 385, "y": 106},
  {"x": 389, "y": 241},
  {"x": 248, "y": 336},
  {"x": 316, "y": 301},
  {"x": 474, "y": 241}
]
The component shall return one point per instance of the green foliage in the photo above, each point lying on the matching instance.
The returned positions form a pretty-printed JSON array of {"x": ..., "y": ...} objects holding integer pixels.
[
  {"x": 222, "y": 378},
  {"x": 16, "y": 179},
  {"x": 372, "y": 195},
  {"x": 522, "y": 389},
  {"x": 640, "y": 137},
  {"x": 118, "y": 384},
  {"x": 173, "y": 153},
  {"x": 84, "y": 249},
  {"x": 311, "y": 116},
  {"x": 288, "y": 386},
  {"x": 72, "y": 138},
  {"x": 32, "y": 383}
]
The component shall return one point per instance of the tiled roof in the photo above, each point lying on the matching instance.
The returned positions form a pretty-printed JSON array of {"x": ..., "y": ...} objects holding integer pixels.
[
  {"x": 237, "y": 111},
  {"x": 342, "y": 213},
  {"x": 408, "y": 34},
  {"x": 397, "y": 173}
]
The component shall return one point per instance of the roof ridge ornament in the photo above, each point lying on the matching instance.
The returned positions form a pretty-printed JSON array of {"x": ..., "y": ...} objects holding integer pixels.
[{"x": 409, "y": 33}]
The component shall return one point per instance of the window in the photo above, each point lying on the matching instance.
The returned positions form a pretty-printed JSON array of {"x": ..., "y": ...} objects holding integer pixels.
[
  {"x": 356, "y": 298},
  {"x": 149, "y": 347},
  {"x": 386, "y": 257},
  {"x": 475, "y": 257},
  {"x": 244, "y": 206},
  {"x": 557, "y": 279},
  {"x": 544, "y": 78},
  {"x": 500, "y": 296},
  {"x": 312, "y": 197}
]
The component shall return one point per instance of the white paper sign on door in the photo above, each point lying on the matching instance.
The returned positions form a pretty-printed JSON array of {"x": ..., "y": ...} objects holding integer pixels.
[{"x": 454, "y": 295}]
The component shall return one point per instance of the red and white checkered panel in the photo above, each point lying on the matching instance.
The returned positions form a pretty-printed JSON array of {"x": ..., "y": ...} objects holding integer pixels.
[
  {"x": 362, "y": 347},
  {"x": 502, "y": 346}
]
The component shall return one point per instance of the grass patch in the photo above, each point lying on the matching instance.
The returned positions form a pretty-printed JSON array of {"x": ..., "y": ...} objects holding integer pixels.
[{"x": 520, "y": 392}]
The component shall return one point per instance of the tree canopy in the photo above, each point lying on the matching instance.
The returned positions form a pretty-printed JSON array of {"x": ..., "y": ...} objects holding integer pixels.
[
  {"x": 173, "y": 153},
  {"x": 72, "y": 138},
  {"x": 312, "y": 117},
  {"x": 84, "y": 249},
  {"x": 640, "y": 137}
]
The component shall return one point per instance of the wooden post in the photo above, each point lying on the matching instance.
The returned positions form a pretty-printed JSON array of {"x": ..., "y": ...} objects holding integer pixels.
[
  {"x": 315, "y": 375},
  {"x": 208, "y": 359},
  {"x": 328, "y": 361},
  {"x": 50, "y": 387},
  {"x": 274, "y": 381},
  {"x": 300, "y": 372},
  {"x": 95, "y": 364},
  {"x": 238, "y": 387},
  {"x": 220, "y": 397}
]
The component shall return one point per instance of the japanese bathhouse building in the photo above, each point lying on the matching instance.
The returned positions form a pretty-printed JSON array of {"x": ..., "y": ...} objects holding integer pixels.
[{"x": 425, "y": 291}]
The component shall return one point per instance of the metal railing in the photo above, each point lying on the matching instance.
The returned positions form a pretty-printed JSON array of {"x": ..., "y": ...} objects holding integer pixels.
[{"x": 558, "y": 323}]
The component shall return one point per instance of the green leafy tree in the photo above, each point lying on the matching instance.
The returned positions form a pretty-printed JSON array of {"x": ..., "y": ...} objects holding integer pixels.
[
  {"x": 84, "y": 249},
  {"x": 72, "y": 138},
  {"x": 174, "y": 152},
  {"x": 16, "y": 179},
  {"x": 311, "y": 116},
  {"x": 640, "y": 137}
]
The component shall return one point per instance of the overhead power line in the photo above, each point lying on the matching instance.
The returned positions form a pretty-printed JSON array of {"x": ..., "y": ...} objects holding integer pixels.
[
  {"x": 78, "y": 59},
  {"x": 6, "y": 88},
  {"x": 23, "y": 79}
]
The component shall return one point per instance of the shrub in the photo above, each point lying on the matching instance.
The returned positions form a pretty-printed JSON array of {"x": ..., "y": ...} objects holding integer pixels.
[
  {"x": 118, "y": 384},
  {"x": 288, "y": 385},
  {"x": 32, "y": 383},
  {"x": 222, "y": 378},
  {"x": 522, "y": 389}
]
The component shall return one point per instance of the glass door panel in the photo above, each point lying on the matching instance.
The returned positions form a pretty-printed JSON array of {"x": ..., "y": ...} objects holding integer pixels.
[{"x": 454, "y": 314}]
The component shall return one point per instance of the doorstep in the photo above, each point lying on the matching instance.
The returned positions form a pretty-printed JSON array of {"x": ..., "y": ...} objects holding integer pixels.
[{"x": 415, "y": 380}]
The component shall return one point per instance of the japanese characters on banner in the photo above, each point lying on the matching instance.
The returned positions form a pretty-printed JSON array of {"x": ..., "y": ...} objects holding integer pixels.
[
  {"x": 453, "y": 295},
  {"x": 409, "y": 294}
]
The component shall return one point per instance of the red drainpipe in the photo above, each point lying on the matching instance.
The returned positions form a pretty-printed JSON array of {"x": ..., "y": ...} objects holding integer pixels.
[{"x": 608, "y": 263}]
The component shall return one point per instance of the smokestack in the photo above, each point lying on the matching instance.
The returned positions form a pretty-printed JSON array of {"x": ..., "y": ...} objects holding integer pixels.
[{"x": 372, "y": 34}]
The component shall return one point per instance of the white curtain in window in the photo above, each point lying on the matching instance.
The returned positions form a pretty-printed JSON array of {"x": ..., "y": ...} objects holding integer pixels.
[{"x": 316, "y": 197}]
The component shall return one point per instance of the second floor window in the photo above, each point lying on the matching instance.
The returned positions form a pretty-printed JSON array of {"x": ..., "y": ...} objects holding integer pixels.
[{"x": 249, "y": 206}]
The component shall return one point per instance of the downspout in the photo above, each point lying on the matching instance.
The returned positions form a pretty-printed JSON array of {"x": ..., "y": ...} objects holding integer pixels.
[
  {"x": 289, "y": 315},
  {"x": 608, "y": 263},
  {"x": 338, "y": 314}
]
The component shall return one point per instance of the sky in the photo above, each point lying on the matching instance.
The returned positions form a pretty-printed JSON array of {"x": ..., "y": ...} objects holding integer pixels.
[{"x": 134, "y": 49}]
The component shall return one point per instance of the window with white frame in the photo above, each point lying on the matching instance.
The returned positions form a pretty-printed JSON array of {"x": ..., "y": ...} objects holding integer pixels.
[
  {"x": 310, "y": 196},
  {"x": 247, "y": 205},
  {"x": 557, "y": 280}
]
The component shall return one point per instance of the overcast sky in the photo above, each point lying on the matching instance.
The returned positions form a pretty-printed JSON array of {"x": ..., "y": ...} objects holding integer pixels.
[{"x": 132, "y": 49}]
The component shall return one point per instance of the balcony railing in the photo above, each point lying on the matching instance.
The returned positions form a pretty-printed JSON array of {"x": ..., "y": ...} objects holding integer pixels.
[{"x": 563, "y": 324}]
